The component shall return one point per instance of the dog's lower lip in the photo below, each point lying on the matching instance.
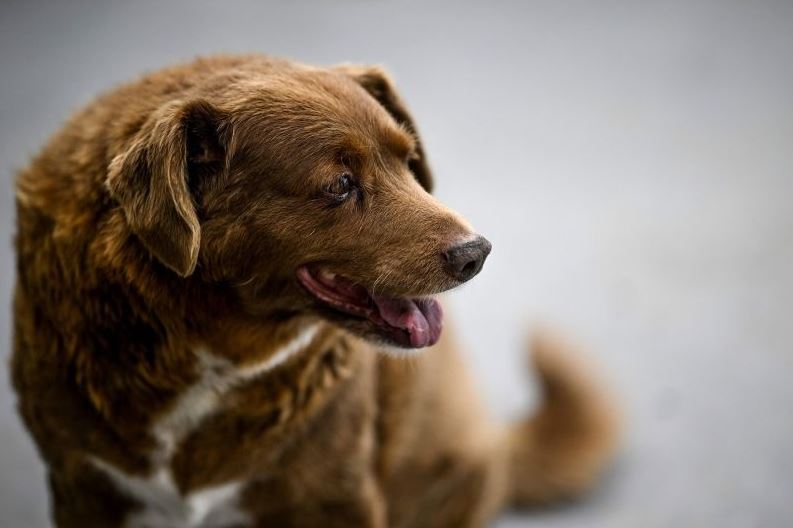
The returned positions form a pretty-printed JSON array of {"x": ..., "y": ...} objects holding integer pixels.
[{"x": 410, "y": 323}]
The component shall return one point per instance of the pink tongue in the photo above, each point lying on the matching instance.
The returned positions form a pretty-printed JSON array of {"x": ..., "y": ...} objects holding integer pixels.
[{"x": 422, "y": 324}]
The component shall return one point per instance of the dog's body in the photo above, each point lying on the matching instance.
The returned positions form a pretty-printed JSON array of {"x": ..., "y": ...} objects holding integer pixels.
[{"x": 184, "y": 355}]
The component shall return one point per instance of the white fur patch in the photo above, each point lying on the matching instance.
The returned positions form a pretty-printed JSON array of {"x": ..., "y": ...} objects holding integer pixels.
[
  {"x": 218, "y": 376},
  {"x": 163, "y": 505}
]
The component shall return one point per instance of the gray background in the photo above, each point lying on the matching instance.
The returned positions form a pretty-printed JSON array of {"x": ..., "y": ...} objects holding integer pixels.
[{"x": 631, "y": 162}]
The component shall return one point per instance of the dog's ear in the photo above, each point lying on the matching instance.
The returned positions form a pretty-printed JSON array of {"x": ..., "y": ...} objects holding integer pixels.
[
  {"x": 378, "y": 83},
  {"x": 152, "y": 179}
]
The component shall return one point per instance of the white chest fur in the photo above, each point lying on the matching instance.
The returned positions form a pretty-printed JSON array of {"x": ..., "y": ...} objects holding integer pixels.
[{"x": 162, "y": 503}]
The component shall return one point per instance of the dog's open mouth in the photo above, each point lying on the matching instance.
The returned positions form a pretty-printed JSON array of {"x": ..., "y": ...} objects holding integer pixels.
[{"x": 410, "y": 323}]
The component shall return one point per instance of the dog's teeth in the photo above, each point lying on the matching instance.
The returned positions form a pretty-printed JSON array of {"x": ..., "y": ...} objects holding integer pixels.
[{"x": 327, "y": 275}]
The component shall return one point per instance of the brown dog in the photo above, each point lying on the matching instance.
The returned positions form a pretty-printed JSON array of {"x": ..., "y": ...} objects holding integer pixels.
[{"x": 210, "y": 260}]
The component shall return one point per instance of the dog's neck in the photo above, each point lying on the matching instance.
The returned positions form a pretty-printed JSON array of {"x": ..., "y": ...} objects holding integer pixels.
[
  {"x": 164, "y": 353},
  {"x": 246, "y": 341}
]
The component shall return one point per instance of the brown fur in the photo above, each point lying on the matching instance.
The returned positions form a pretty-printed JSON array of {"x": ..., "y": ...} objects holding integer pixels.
[{"x": 170, "y": 216}]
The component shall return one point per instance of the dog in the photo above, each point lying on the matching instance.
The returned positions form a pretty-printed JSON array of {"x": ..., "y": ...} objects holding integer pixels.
[{"x": 220, "y": 268}]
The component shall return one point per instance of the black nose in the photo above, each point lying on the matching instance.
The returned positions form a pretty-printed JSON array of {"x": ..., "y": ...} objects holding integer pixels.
[{"x": 464, "y": 260}]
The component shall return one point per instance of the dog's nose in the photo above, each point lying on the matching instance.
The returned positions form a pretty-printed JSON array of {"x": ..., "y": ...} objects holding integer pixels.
[{"x": 464, "y": 260}]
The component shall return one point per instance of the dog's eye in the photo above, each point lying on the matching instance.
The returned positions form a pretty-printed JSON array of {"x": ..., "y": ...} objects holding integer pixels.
[{"x": 342, "y": 188}]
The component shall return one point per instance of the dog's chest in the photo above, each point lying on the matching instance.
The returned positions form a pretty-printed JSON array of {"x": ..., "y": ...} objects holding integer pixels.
[{"x": 162, "y": 504}]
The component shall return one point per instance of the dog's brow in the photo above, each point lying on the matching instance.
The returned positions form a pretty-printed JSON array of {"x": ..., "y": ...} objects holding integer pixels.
[{"x": 401, "y": 141}]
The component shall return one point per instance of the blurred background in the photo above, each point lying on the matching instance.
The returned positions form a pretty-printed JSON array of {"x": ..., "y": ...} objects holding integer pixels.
[{"x": 632, "y": 163}]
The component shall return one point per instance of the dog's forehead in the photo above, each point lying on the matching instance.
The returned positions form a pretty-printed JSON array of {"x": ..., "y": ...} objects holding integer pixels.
[
  {"x": 322, "y": 107},
  {"x": 363, "y": 111},
  {"x": 343, "y": 99}
]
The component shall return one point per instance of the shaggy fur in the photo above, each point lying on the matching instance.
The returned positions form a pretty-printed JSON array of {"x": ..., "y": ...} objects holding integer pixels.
[{"x": 175, "y": 372}]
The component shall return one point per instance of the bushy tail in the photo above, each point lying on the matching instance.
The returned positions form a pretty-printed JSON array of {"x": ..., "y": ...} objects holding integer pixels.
[{"x": 560, "y": 451}]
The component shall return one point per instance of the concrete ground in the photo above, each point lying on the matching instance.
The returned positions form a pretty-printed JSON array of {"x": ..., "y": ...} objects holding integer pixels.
[{"x": 631, "y": 162}]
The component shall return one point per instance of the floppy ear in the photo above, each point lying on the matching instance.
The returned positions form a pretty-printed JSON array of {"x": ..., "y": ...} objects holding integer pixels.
[
  {"x": 150, "y": 179},
  {"x": 378, "y": 83}
]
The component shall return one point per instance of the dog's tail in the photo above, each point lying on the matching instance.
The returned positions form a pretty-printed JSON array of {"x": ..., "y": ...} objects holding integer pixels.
[{"x": 560, "y": 451}]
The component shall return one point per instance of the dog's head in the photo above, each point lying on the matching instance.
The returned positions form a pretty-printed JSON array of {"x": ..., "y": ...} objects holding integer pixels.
[{"x": 302, "y": 192}]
